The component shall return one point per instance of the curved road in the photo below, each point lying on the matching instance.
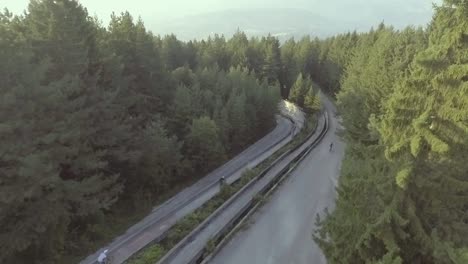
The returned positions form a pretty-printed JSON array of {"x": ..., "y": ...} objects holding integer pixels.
[
  {"x": 163, "y": 217},
  {"x": 281, "y": 231}
]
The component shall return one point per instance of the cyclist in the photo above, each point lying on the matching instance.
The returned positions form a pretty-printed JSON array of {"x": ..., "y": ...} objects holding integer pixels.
[
  {"x": 222, "y": 181},
  {"x": 331, "y": 146},
  {"x": 102, "y": 259}
]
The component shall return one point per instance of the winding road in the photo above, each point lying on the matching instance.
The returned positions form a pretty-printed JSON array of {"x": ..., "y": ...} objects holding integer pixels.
[
  {"x": 162, "y": 218},
  {"x": 281, "y": 231}
]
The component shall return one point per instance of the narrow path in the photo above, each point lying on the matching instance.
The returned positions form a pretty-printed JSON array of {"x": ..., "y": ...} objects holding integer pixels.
[{"x": 281, "y": 231}]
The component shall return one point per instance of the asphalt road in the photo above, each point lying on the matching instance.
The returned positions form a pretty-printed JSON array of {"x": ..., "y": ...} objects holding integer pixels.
[
  {"x": 167, "y": 214},
  {"x": 281, "y": 231}
]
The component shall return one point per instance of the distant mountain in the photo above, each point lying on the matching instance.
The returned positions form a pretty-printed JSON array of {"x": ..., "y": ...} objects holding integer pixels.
[{"x": 283, "y": 23}]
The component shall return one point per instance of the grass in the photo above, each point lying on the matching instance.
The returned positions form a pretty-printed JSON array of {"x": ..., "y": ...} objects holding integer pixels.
[{"x": 153, "y": 252}]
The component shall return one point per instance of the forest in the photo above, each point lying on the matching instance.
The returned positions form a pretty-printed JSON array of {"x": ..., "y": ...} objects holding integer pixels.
[
  {"x": 403, "y": 98},
  {"x": 100, "y": 123}
]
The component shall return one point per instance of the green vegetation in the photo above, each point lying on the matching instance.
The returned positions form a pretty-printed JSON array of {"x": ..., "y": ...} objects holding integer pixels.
[
  {"x": 152, "y": 253},
  {"x": 403, "y": 96},
  {"x": 100, "y": 123},
  {"x": 305, "y": 95}
]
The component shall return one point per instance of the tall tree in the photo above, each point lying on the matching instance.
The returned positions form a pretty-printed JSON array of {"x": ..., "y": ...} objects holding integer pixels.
[
  {"x": 110, "y": 120},
  {"x": 299, "y": 90},
  {"x": 61, "y": 172},
  {"x": 62, "y": 31},
  {"x": 172, "y": 52},
  {"x": 290, "y": 67},
  {"x": 406, "y": 100},
  {"x": 203, "y": 145},
  {"x": 312, "y": 101},
  {"x": 182, "y": 111},
  {"x": 272, "y": 65},
  {"x": 428, "y": 111}
]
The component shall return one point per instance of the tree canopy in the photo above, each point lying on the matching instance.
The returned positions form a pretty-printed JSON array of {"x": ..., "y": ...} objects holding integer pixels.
[
  {"x": 403, "y": 96},
  {"x": 98, "y": 123}
]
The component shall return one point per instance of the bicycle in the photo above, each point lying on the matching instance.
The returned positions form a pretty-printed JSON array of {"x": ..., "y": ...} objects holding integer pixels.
[
  {"x": 222, "y": 181},
  {"x": 108, "y": 260}
]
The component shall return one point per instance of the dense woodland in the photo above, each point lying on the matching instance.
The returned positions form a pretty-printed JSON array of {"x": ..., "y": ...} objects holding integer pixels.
[
  {"x": 99, "y": 123},
  {"x": 403, "y": 96}
]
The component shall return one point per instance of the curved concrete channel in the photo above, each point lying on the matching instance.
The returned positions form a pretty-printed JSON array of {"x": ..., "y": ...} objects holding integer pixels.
[
  {"x": 280, "y": 232},
  {"x": 154, "y": 227},
  {"x": 191, "y": 248}
]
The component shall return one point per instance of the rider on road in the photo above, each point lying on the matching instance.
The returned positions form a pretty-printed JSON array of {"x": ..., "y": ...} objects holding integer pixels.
[{"x": 102, "y": 259}]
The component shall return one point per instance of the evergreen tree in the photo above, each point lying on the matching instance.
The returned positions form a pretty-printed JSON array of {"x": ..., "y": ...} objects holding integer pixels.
[
  {"x": 140, "y": 67},
  {"x": 312, "y": 101},
  {"x": 238, "y": 121},
  {"x": 184, "y": 76},
  {"x": 182, "y": 111},
  {"x": 203, "y": 145},
  {"x": 428, "y": 111},
  {"x": 238, "y": 46},
  {"x": 406, "y": 100},
  {"x": 172, "y": 52},
  {"x": 299, "y": 90},
  {"x": 62, "y": 31},
  {"x": 272, "y": 65},
  {"x": 61, "y": 171},
  {"x": 290, "y": 68},
  {"x": 102, "y": 111},
  {"x": 161, "y": 157}
]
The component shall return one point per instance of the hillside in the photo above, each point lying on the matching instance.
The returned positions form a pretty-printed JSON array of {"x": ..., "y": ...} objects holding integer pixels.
[{"x": 283, "y": 23}]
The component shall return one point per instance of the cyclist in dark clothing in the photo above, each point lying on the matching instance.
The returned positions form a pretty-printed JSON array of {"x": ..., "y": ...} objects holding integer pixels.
[
  {"x": 331, "y": 146},
  {"x": 222, "y": 181}
]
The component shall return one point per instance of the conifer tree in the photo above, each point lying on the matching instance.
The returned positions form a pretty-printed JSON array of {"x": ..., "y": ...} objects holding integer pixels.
[
  {"x": 182, "y": 111},
  {"x": 62, "y": 31},
  {"x": 299, "y": 90},
  {"x": 312, "y": 101},
  {"x": 406, "y": 100},
  {"x": 290, "y": 68},
  {"x": 203, "y": 145},
  {"x": 424, "y": 130},
  {"x": 272, "y": 64}
]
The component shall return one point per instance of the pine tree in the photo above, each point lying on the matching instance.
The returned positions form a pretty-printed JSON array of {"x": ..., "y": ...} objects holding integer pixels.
[
  {"x": 181, "y": 112},
  {"x": 237, "y": 46},
  {"x": 299, "y": 90},
  {"x": 312, "y": 101},
  {"x": 64, "y": 173},
  {"x": 172, "y": 52},
  {"x": 89, "y": 143},
  {"x": 272, "y": 65},
  {"x": 160, "y": 163},
  {"x": 410, "y": 107},
  {"x": 424, "y": 130},
  {"x": 203, "y": 145},
  {"x": 290, "y": 68},
  {"x": 238, "y": 121},
  {"x": 221, "y": 118},
  {"x": 62, "y": 31}
]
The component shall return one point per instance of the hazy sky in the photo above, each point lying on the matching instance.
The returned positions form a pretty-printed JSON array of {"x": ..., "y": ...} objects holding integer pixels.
[{"x": 156, "y": 10}]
